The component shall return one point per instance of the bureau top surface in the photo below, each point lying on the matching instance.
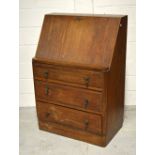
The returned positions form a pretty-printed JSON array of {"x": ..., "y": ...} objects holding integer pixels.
[
  {"x": 87, "y": 15},
  {"x": 79, "y": 39}
]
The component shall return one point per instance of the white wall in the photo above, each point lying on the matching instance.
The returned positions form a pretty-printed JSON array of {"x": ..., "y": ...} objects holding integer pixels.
[{"x": 31, "y": 18}]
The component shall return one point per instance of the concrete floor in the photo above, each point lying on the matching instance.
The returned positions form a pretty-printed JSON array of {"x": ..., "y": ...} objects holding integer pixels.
[{"x": 36, "y": 142}]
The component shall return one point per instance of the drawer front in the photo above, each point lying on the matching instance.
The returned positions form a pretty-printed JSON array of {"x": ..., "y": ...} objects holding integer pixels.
[
  {"x": 69, "y": 117},
  {"x": 76, "y": 97},
  {"x": 84, "y": 78}
]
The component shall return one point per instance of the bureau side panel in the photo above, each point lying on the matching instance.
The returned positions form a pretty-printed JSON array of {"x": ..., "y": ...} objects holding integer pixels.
[{"x": 115, "y": 79}]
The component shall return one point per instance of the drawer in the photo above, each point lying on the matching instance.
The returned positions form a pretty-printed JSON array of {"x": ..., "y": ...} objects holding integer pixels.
[
  {"x": 69, "y": 117},
  {"x": 84, "y": 78},
  {"x": 71, "y": 96}
]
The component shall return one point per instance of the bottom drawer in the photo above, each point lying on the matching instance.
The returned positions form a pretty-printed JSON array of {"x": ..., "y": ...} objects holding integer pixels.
[{"x": 69, "y": 117}]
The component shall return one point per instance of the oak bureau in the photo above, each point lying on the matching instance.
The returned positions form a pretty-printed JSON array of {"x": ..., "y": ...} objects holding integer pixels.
[{"x": 79, "y": 76}]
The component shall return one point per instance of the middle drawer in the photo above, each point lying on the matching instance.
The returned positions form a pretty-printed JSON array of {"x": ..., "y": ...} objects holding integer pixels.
[{"x": 75, "y": 97}]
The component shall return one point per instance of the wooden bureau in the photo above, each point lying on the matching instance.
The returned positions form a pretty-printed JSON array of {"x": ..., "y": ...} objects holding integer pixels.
[{"x": 79, "y": 76}]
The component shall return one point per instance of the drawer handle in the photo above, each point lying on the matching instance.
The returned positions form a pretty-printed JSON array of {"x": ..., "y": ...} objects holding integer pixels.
[
  {"x": 46, "y": 74},
  {"x": 86, "y": 103},
  {"x": 47, "y": 114},
  {"x": 86, "y": 123},
  {"x": 86, "y": 79},
  {"x": 47, "y": 90}
]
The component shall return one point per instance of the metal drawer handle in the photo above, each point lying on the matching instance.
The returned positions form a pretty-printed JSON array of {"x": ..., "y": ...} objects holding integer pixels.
[
  {"x": 47, "y": 114},
  {"x": 87, "y": 80},
  {"x": 86, "y": 123},
  {"x": 86, "y": 103},
  {"x": 46, "y": 74},
  {"x": 47, "y": 90}
]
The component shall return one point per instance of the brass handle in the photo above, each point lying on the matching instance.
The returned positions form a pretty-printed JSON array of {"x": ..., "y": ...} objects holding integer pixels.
[
  {"x": 47, "y": 90},
  {"x": 46, "y": 74},
  {"x": 47, "y": 114},
  {"x": 86, "y": 103},
  {"x": 86, "y": 79},
  {"x": 86, "y": 123}
]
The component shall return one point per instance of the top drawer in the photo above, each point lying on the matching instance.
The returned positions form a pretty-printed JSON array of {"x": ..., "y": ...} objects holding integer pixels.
[{"x": 74, "y": 76}]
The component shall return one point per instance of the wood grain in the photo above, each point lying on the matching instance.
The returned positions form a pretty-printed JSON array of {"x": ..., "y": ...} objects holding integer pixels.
[
  {"x": 75, "y": 38},
  {"x": 69, "y": 117},
  {"x": 85, "y": 99},
  {"x": 69, "y": 75}
]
